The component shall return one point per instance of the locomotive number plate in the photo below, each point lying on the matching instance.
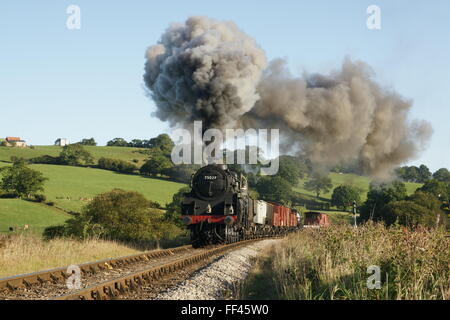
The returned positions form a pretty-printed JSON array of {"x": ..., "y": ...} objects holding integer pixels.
[{"x": 210, "y": 177}]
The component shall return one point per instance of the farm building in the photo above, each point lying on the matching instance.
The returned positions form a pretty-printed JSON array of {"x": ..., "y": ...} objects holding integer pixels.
[
  {"x": 62, "y": 142},
  {"x": 15, "y": 142}
]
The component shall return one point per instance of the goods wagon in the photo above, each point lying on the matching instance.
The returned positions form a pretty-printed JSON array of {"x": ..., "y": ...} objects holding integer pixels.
[{"x": 316, "y": 219}]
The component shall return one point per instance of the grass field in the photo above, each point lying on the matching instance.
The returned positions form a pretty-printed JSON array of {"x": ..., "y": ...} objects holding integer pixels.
[
  {"x": 17, "y": 213},
  {"x": 122, "y": 153},
  {"x": 72, "y": 187}
]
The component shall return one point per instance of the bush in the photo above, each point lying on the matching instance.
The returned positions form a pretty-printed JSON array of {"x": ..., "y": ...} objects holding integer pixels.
[
  {"x": 156, "y": 165},
  {"x": 54, "y": 232},
  {"x": 46, "y": 159},
  {"x": 120, "y": 215},
  {"x": 40, "y": 197},
  {"x": 116, "y": 165}
]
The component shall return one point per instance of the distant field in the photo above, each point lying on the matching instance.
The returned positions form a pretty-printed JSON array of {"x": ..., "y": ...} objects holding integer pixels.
[
  {"x": 71, "y": 187},
  {"x": 353, "y": 180},
  {"x": 15, "y": 212},
  {"x": 123, "y": 153}
]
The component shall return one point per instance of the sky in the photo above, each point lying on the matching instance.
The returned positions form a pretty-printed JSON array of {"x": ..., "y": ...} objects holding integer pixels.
[{"x": 75, "y": 84}]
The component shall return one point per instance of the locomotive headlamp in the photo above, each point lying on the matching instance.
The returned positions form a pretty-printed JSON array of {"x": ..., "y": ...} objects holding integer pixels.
[
  {"x": 208, "y": 208},
  {"x": 228, "y": 221},
  {"x": 187, "y": 220},
  {"x": 229, "y": 209}
]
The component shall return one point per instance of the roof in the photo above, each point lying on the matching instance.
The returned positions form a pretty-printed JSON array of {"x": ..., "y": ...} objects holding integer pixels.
[{"x": 13, "y": 139}]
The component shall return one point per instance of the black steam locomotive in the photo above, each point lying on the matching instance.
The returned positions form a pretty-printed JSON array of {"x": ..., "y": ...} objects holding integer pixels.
[{"x": 219, "y": 210}]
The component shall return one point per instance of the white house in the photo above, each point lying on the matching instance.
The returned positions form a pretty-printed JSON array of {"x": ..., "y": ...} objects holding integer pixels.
[{"x": 62, "y": 142}]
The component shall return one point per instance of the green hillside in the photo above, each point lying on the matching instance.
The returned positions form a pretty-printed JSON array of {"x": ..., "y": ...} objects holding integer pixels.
[
  {"x": 72, "y": 187},
  {"x": 123, "y": 153},
  {"x": 17, "y": 213},
  {"x": 360, "y": 182}
]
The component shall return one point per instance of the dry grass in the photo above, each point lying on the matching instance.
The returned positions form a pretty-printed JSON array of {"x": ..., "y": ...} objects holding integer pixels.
[
  {"x": 332, "y": 263},
  {"x": 25, "y": 253}
]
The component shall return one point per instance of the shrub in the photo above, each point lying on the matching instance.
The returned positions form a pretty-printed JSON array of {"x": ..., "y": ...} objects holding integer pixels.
[
  {"x": 46, "y": 159},
  {"x": 120, "y": 215},
  {"x": 40, "y": 197},
  {"x": 116, "y": 165},
  {"x": 53, "y": 232}
]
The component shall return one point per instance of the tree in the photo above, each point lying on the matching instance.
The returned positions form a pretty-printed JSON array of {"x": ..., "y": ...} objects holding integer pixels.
[
  {"x": 137, "y": 143},
  {"x": 343, "y": 196},
  {"x": 442, "y": 175},
  {"x": 378, "y": 197},
  {"x": 409, "y": 214},
  {"x": 437, "y": 188},
  {"x": 121, "y": 215},
  {"x": 75, "y": 155},
  {"x": 182, "y": 172},
  {"x": 158, "y": 164},
  {"x": 291, "y": 169},
  {"x": 162, "y": 142},
  {"x": 424, "y": 174},
  {"x": 319, "y": 184},
  {"x": 117, "y": 142},
  {"x": 421, "y": 208},
  {"x": 274, "y": 188},
  {"x": 173, "y": 209},
  {"x": 21, "y": 180},
  {"x": 88, "y": 142}
]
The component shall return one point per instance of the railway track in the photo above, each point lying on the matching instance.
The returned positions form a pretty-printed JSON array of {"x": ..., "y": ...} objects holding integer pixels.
[
  {"x": 42, "y": 284},
  {"x": 112, "y": 278}
]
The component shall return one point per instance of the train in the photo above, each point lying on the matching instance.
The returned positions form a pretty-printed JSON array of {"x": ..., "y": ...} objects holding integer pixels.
[{"x": 218, "y": 209}]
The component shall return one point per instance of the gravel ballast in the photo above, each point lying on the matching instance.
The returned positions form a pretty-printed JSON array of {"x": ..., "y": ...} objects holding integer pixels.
[{"x": 213, "y": 281}]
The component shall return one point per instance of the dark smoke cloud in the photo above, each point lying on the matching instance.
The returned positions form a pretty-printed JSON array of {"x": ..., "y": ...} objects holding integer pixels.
[
  {"x": 341, "y": 118},
  {"x": 204, "y": 70},
  {"x": 211, "y": 71}
]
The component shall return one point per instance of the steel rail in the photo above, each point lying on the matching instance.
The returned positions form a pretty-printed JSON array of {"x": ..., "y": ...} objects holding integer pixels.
[
  {"x": 120, "y": 286},
  {"x": 60, "y": 274}
]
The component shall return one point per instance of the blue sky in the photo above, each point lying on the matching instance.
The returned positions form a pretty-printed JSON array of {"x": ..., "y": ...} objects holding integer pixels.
[{"x": 88, "y": 83}]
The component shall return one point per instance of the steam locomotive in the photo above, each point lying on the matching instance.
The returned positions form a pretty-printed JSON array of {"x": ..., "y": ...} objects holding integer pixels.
[{"x": 218, "y": 209}]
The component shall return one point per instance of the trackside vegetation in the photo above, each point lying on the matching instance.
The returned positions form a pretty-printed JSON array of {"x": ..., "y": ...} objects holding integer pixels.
[{"x": 332, "y": 264}]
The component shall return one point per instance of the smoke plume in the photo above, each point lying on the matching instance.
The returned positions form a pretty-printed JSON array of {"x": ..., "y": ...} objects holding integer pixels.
[
  {"x": 204, "y": 70},
  {"x": 341, "y": 118},
  {"x": 211, "y": 71}
]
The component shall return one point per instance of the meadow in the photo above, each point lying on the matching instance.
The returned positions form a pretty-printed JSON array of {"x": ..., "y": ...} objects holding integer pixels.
[
  {"x": 126, "y": 154},
  {"x": 18, "y": 213},
  {"x": 70, "y": 188}
]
